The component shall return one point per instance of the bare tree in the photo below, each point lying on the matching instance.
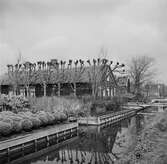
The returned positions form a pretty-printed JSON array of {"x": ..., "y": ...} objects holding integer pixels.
[
  {"x": 141, "y": 71},
  {"x": 75, "y": 74},
  {"x": 28, "y": 73},
  {"x": 44, "y": 74},
  {"x": 14, "y": 75}
]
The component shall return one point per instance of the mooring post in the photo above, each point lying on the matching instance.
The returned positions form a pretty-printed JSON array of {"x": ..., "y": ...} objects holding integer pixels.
[
  {"x": 22, "y": 149},
  {"x": 47, "y": 140},
  {"x": 98, "y": 120},
  {"x": 35, "y": 144},
  {"x": 8, "y": 154}
]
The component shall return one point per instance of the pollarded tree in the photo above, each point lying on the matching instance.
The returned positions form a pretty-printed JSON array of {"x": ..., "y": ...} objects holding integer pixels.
[
  {"x": 28, "y": 74},
  {"x": 14, "y": 76},
  {"x": 141, "y": 71},
  {"x": 44, "y": 74},
  {"x": 75, "y": 74}
]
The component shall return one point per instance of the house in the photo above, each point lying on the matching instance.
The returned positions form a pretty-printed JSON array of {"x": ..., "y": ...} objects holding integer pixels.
[
  {"x": 98, "y": 80},
  {"x": 154, "y": 90}
]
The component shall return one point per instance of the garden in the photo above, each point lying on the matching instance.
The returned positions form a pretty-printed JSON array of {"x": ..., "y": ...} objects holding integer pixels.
[{"x": 20, "y": 114}]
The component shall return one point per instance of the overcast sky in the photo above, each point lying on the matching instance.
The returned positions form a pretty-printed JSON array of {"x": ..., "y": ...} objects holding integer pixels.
[{"x": 63, "y": 29}]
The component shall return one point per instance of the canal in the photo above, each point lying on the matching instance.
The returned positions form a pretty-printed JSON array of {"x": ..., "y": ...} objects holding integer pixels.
[{"x": 98, "y": 144}]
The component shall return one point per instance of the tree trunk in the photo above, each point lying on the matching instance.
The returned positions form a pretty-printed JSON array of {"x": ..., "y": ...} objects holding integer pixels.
[
  {"x": 44, "y": 88},
  {"x": 93, "y": 92},
  {"x": 58, "y": 89},
  {"x": 75, "y": 89},
  {"x": 15, "y": 90},
  {"x": 27, "y": 90}
]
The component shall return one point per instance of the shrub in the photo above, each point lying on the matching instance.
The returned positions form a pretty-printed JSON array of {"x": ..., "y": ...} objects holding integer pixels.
[
  {"x": 36, "y": 122},
  {"x": 50, "y": 117},
  {"x": 63, "y": 117},
  {"x": 56, "y": 117},
  {"x": 17, "y": 126},
  {"x": 43, "y": 118},
  {"x": 15, "y": 103},
  {"x": 162, "y": 125},
  {"x": 5, "y": 128},
  {"x": 26, "y": 124}
]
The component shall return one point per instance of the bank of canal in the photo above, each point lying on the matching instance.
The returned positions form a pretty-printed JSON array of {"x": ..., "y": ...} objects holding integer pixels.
[{"x": 95, "y": 144}]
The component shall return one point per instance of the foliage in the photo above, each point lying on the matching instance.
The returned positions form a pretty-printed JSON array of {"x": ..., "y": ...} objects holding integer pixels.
[
  {"x": 5, "y": 128},
  {"x": 26, "y": 121},
  {"x": 14, "y": 103},
  {"x": 67, "y": 105},
  {"x": 151, "y": 143},
  {"x": 27, "y": 124}
]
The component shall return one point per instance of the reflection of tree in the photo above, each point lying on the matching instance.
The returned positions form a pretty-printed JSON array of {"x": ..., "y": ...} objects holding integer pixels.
[
  {"x": 99, "y": 142},
  {"x": 139, "y": 119},
  {"x": 92, "y": 146}
]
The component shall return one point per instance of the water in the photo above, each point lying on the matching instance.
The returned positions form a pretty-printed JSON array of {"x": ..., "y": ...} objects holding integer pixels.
[{"x": 98, "y": 145}]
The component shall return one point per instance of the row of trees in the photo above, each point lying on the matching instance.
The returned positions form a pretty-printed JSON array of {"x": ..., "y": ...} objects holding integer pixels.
[{"x": 58, "y": 72}]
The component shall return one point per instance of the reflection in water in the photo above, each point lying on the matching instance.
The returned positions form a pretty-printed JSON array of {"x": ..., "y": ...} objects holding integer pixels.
[{"x": 97, "y": 144}]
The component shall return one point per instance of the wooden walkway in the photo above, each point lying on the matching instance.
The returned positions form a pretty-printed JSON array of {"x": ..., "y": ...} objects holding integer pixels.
[
  {"x": 112, "y": 117},
  {"x": 35, "y": 141},
  {"x": 34, "y": 136}
]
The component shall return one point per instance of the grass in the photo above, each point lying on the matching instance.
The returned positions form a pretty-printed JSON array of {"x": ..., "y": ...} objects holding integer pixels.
[
  {"x": 151, "y": 144},
  {"x": 67, "y": 105}
]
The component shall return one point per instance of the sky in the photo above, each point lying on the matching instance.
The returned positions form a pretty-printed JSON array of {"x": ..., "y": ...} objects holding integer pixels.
[{"x": 74, "y": 29}]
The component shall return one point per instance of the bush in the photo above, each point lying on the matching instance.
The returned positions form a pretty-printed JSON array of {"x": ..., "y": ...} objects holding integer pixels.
[
  {"x": 7, "y": 120},
  {"x": 15, "y": 103},
  {"x": 63, "y": 117},
  {"x": 36, "y": 122},
  {"x": 26, "y": 125},
  {"x": 162, "y": 125},
  {"x": 5, "y": 128},
  {"x": 43, "y": 117},
  {"x": 50, "y": 117},
  {"x": 17, "y": 126}
]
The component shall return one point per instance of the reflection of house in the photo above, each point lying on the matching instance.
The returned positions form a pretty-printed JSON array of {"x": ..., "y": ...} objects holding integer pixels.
[{"x": 98, "y": 80}]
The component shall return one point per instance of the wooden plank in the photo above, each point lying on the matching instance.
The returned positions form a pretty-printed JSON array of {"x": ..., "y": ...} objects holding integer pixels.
[{"x": 33, "y": 136}]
